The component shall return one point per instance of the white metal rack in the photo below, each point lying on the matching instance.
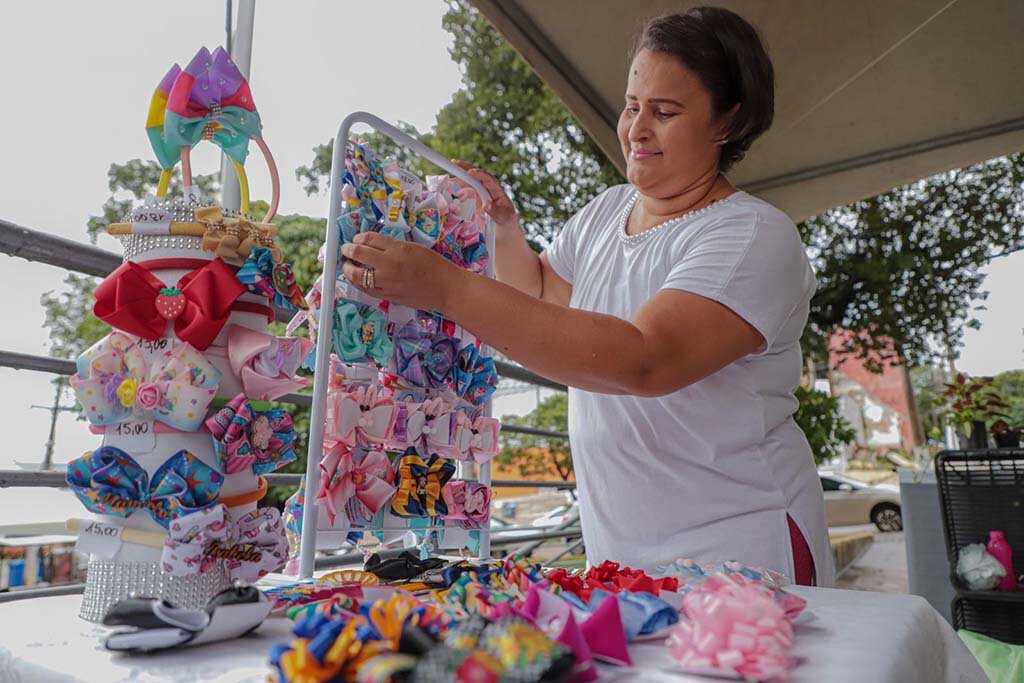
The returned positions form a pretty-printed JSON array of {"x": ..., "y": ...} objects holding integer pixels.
[{"x": 321, "y": 378}]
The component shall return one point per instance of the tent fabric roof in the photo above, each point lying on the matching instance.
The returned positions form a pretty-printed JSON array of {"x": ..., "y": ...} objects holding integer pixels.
[{"x": 869, "y": 95}]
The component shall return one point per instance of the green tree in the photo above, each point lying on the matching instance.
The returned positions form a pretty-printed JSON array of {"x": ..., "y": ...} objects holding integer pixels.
[
  {"x": 536, "y": 456},
  {"x": 826, "y": 430},
  {"x": 1010, "y": 387},
  {"x": 906, "y": 265},
  {"x": 505, "y": 119}
]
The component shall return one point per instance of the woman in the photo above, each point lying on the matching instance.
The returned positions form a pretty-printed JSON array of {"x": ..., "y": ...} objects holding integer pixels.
[{"x": 672, "y": 307}]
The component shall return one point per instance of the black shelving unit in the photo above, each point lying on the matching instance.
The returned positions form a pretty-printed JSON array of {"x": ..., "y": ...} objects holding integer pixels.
[{"x": 981, "y": 491}]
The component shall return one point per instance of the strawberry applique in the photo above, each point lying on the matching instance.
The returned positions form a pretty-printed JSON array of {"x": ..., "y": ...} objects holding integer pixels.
[{"x": 169, "y": 303}]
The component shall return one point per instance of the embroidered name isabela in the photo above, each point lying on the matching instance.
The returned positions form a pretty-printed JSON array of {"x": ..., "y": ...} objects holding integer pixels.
[{"x": 243, "y": 552}]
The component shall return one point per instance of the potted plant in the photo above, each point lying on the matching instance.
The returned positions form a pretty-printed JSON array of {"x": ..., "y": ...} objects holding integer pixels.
[
  {"x": 1005, "y": 435},
  {"x": 965, "y": 404}
]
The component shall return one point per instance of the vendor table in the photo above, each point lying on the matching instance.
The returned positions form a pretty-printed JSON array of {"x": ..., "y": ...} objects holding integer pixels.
[{"x": 851, "y": 637}]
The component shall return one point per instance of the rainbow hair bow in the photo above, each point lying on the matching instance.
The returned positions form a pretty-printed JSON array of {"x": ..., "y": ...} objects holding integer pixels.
[
  {"x": 210, "y": 99},
  {"x": 108, "y": 481},
  {"x": 260, "y": 274},
  {"x": 114, "y": 382}
]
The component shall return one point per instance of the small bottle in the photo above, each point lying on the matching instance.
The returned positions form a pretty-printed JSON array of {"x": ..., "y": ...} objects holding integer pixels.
[{"x": 1000, "y": 549}]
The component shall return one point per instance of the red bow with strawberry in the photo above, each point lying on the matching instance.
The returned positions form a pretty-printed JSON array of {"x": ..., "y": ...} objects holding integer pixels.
[{"x": 133, "y": 300}]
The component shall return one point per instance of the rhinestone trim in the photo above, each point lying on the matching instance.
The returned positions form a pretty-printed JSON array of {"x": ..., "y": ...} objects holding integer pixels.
[
  {"x": 135, "y": 245},
  {"x": 109, "y": 582},
  {"x": 180, "y": 212},
  {"x": 641, "y": 236}
]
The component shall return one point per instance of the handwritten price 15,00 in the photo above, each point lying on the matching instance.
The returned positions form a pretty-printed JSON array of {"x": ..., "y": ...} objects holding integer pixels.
[{"x": 132, "y": 428}]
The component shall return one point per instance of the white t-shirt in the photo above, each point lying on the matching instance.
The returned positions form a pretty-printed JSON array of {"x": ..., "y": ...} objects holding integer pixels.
[{"x": 708, "y": 472}]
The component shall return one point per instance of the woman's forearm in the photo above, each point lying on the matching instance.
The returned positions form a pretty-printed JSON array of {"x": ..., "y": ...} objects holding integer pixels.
[
  {"x": 591, "y": 351},
  {"x": 515, "y": 263}
]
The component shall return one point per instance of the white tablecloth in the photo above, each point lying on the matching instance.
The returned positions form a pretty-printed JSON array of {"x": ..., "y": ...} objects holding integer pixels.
[{"x": 854, "y": 637}]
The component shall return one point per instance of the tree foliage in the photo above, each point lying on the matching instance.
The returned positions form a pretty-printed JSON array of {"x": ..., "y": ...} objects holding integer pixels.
[
  {"x": 826, "y": 430},
  {"x": 538, "y": 456},
  {"x": 906, "y": 265},
  {"x": 506, "y": 120}
]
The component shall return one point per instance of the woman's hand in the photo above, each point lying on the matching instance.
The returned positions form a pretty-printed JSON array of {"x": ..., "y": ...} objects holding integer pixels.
[
  {"x": 500, "y": 208},
  {"x": 403, "y": 272}
]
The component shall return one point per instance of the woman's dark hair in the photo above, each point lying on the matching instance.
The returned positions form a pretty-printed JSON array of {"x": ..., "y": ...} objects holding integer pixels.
[{"x": 727, "y": 54}]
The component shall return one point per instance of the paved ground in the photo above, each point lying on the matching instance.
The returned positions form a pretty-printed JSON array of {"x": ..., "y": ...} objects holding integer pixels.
[{"x": 882, "y": 568}]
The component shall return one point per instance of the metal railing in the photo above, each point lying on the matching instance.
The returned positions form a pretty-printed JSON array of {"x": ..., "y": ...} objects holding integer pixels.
[{"x": 40, "y": 247}]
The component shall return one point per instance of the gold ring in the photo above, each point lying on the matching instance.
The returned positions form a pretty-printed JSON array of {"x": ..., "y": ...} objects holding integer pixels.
[{"x": 368, "y": 278}]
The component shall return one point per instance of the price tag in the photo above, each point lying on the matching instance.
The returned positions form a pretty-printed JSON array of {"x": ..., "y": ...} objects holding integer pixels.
[
  {"x": 153, "y": 348},
  {"x": 150, "y": 220},
  {"x": 97, "y": 538},
  {"x": 133, "y": 436},
  {"x": 191, "y": 194}
]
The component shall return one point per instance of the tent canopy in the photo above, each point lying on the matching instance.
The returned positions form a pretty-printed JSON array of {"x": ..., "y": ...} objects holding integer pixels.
[{"x": 869, "y": 95}]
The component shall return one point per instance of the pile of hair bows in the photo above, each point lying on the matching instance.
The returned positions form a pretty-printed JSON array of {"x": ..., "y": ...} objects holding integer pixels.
[
  {"x": 408, "y": 389},
  {"x": 514, "y": 621}
]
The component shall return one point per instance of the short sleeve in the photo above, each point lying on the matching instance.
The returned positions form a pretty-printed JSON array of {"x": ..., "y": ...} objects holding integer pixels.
[
  {"x": 561, "y": 252},
  {"x": 753, "y": 264}
]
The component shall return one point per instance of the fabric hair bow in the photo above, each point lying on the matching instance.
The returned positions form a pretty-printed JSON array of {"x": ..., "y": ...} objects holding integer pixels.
[
  {"x": 424, "y": 356},
  {"x": 601, "y": 634},
  {"x": 363, "y": 416},
  {"x": 114, "y": 382},
  {"x": 360, "y": 333},
  {"x": 732, "y": 629},
  {"x": 167, "y": 154},
  {"x": 343, "y": 474},
  {"x": 427, "y": 426},
  {"x": 265, "y": 364},
  {"x": 135, "y": 301},
  {"x": 276, "y": 281},
  {"x": 475, "y": 439},
  {"x": 251, "y": 546},
  {"x": 469, "y": 502},
  {"x": 474, "y": 375},
  {"x": 108, "y": 481},
  {"x": 257, "y": 439},
  {"x": 211, "y": 100},
  {"x": 419, "y": 485},
  {"x": 460, "y": 238},
  {"x": 235, "y": 238},
  {"x": 464, "y": 247}
]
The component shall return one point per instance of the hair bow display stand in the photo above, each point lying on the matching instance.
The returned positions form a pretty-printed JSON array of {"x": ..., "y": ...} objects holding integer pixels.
[{"x": 310, "y": 512}]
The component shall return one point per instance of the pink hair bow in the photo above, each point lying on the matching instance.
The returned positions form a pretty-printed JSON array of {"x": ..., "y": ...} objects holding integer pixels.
[
  {"x": 601, "y": 635},
  {"x": 732, "y": 628},
  {"x": 266, "y": 364},
  {"x": 251, "y": 546},
  {"x": 115, "y": 381},
  {"x": 428, "y": 427},
  {"x": 342, "y": 477},
  {"x": 469, "y": 502},
  {"x": 260, "y": 440},
  {"x": 361, "y": 417},
  {"x": 476, "y": 439}
]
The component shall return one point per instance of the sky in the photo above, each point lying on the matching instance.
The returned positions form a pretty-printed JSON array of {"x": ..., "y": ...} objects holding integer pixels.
[{"x": 84, "y": 73}]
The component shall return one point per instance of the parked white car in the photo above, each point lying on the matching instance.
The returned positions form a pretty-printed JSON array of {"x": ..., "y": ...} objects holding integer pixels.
[{"x": 849, "y": 502}]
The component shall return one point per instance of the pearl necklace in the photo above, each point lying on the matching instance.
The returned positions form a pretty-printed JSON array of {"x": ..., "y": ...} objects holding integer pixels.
[{"x": 641, "y": 236}]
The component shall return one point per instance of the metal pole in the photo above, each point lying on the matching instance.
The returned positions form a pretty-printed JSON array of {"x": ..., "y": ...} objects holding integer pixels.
[{"x": 240, "y": 49}]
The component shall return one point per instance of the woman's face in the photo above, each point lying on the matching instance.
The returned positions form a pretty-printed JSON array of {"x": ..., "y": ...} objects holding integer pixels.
[{"x": 667, "y": 130}]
